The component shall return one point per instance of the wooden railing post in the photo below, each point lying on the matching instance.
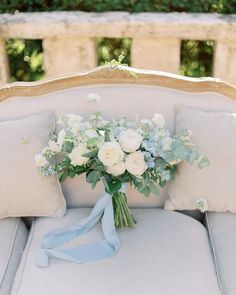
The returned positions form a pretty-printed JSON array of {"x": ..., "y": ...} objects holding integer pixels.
[
  {"x": 4, "y": 68},
  {"x": 161, "y": 54},
  {"x": 68, "y": 54},
  {"x": 225, "y": 61}
]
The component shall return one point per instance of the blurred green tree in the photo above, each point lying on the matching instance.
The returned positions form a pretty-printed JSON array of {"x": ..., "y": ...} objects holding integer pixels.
[
  {"x": 25, "y": 59},
  {"x": 111, "y": 48},
  {"x": 196, "y": 58}
]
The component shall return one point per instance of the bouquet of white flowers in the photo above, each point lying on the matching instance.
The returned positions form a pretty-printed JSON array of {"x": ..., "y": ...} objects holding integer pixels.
[{"x": 140, "y": 153}]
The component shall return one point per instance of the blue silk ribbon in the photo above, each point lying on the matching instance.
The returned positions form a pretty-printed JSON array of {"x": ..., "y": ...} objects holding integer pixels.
[{"x": 106, "y": 248}]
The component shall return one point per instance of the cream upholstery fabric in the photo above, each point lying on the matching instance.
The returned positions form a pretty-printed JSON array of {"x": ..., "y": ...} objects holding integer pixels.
[
  {"x": 214, "y": 134},
  {"x": 117, "y": 100},
  {"x": 13, "y": 236},
  {"x": 23, "y": 192},
  {"x": 222, "y": 231},
  {"x": 166, "y": 254}
]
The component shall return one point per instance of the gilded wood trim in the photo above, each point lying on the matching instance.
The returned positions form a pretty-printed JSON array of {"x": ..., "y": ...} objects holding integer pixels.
[{"x": 121, "y": 75}]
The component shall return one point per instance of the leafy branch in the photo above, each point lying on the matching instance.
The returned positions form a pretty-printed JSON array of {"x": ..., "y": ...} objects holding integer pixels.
[{"x": 117, "y": 64}]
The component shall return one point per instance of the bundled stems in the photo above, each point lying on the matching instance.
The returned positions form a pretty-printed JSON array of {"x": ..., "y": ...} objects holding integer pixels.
[{"x": 122, "y": 214}]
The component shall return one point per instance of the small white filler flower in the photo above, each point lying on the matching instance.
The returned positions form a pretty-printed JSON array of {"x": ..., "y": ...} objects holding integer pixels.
[
  {"x": 40, "y": 160},
  {"x": 93, "y": 98},
  {"x": 202, "y": 204},
  {"x": 159, "y": 121}
]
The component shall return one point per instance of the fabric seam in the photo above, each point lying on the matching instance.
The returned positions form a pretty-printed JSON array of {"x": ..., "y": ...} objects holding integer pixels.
[
  {"x": 24, "y": 259},
  {"x": 7, "y": 261},
  {"x": 214, "y": 253}
]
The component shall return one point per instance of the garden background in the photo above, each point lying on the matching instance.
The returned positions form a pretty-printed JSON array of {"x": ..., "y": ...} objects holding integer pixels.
[{"x": 26, "y": 56}]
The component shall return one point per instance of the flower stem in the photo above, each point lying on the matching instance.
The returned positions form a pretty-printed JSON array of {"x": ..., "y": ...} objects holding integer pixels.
[{"x": 122, "y": 214}]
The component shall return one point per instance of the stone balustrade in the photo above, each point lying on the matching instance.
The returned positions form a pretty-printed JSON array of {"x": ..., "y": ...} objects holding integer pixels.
[{"x": 69, "y": 38}]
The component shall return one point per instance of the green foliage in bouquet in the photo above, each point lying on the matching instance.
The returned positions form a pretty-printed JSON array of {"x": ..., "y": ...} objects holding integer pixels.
[{"x": 119, "y": 153}]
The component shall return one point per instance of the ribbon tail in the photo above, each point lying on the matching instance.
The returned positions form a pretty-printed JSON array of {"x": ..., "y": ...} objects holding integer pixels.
[
  {"x": 84, "y": 253},
  {"x": 59, "y": 237},
  {"x": 42, "y": 258},
  {"x": 108, "y": 227}
]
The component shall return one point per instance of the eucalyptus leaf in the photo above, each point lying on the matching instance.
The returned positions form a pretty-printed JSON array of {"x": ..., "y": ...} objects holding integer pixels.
[
  {"x": 114, "y": 186},
  {"x": 204, "y": 162},
  {"x": 63, "y": 176},
  {"x": 194, "y": 156},
  {"x": 105, "y": 183},
  {"x": 68, "y": 146},
  {"x": 146, "y": 191},
  {"x": 80, "y": 169},
  {"x": 154, "y": 189},
  {"x": 107, "y": 137},
  {"x": 91, "y": 141},
  {"x": 93, "y": 177},
  {"x": 168, "y": 156},
  {"x": 71, "y": 173},
  {"x": 91, "y": 154}
]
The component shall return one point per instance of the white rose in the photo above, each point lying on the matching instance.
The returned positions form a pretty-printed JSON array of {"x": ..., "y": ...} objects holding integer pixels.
[
  {"x": 135, "y": 163},
  {"x": 110, "y": 153},
  {"x": 40, "y": 160},
  {"x": 76, "y": 155},
  {"x": 159, "y": 121},
  {"x": 117, "y": 169},
  {"x": 61, "y": 137},
  {"x": 130, "y": 141}
]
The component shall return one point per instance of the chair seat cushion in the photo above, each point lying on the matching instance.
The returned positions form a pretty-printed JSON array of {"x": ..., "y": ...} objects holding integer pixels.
[
  {"x": 13, "y": 236},
  {"x": 167, "y": 253},
  {"x": 222, "y": 231}
]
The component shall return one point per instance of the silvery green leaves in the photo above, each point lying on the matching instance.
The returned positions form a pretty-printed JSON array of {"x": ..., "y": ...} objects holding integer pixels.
[
  {"x": 188, "y": 151},
  {"x": 183, "y": 150},
  {"x": 93, "y": 177},
  {"x": 147, "y": 185},
  {"x": 203, "y": 162}
]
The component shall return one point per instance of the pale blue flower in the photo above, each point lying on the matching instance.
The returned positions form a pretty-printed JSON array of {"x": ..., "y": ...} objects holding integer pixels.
[
  {"x": 47, "y": 171},
  {"x": 151, "y": 163}
]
